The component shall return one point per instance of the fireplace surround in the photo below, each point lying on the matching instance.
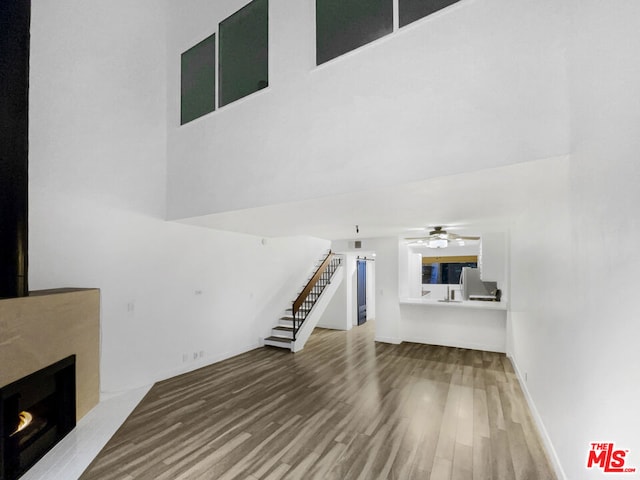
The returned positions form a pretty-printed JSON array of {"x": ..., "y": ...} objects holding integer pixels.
[
  {"x": 36, "y": 412},
  {"x": 41, "y": 330}
]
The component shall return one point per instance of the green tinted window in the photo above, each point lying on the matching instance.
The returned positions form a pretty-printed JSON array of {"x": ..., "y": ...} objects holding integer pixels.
[
  {"x": 344, "y": 25},
  {"x": 412, "y": 10},
  {"x": 198, "y": 80},
  {"x": 244, "y": 52}
]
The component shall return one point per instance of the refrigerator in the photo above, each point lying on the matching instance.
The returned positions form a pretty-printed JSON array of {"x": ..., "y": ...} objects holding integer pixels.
[{"x": 473, "y": 288}]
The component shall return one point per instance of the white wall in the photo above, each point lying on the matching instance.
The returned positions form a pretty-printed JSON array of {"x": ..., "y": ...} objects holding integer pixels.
[
  {"x": 414, "y": 271},
  {"x": 453, "y": 326},
  {"x": 335, "y": 315},
  {"x": 371, "y": 290},
  {"x": 575, "y": 255},
  {"x": 478, "y": 85},
  {"x": 97, "y": 202},
  {"x": 387, "y": 309}
]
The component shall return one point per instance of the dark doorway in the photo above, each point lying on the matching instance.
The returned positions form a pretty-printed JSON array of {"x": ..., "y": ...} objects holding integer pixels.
[{"x": 362, "y": 291}]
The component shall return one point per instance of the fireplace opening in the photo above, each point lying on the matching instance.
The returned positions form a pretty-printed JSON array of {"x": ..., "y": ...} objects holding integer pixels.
[
  {"x": 36, "y": 412},
  {"x": 31, "y": 425}
]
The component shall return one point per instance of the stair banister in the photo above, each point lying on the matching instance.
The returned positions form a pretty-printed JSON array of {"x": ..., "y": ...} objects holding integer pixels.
[{"x": 298, "y": 302}]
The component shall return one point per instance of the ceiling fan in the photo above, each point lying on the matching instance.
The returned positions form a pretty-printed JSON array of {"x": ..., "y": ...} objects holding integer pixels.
[{"x": 439, "y": 238}]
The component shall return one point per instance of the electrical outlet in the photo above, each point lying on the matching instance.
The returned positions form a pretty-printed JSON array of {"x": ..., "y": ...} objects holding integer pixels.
[
  {"x": 185, "y": 357},
  {"x": 201, "y": 354},
  {"x": 195, "y": 355},
  {"x": 131, "y": 306}
]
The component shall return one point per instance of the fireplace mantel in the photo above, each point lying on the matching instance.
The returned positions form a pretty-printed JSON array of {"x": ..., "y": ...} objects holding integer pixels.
[{"x": 43, "y": 328}]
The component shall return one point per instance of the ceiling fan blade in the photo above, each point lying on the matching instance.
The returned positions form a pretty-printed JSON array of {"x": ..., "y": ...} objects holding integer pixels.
[{"x": 462, "y": 237}]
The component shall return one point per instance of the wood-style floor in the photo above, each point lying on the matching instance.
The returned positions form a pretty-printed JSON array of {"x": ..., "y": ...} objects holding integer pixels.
[{"x": 345, "y": 407}]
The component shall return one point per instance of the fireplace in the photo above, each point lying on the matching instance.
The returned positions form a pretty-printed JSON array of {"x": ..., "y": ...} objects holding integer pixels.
[{"x": 36, "y": 412}]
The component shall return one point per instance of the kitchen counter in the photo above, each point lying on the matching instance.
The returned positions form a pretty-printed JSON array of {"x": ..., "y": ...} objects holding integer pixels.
[
  {"x": 471, "y": 324},
  {"x": 474, "y": 304}
]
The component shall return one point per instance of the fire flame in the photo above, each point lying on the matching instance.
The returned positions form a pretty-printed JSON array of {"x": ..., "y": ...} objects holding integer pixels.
[{"x": 25, "y": 419}]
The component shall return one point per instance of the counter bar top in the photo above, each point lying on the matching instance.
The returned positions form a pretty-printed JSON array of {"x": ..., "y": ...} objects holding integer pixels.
[{"x": 477, "y": 304}]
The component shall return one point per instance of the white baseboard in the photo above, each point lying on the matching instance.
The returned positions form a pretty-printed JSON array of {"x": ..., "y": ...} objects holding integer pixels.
[
  {"x": 396, "y": 341},
  {"x": 205, "y": 362},
  {"x": 457, "y": 344},
  {"x": 546, "y": 440}
]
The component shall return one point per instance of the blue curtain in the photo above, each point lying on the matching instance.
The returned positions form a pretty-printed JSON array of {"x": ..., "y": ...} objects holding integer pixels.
[{"x": 435, "y": 273}]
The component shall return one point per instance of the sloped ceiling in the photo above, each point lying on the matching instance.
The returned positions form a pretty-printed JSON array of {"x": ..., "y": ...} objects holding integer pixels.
[{"x": 467, "y": 203}]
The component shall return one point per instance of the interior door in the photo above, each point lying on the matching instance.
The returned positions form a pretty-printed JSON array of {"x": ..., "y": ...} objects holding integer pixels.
[{"x": 362, "y": 291}]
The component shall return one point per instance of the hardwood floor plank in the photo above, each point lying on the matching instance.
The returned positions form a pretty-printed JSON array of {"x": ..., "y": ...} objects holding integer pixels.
[
  {"x": 278, "y": 473},
  {"x": 462, "y": 466},
  {"x": 326, "y": 460},
  {"x": 448, "y": 427},
  {"x": 248, "y": 459},
  {"x": 482, "y": 460},
  {"x": 343, "y": 408},
  {"x": 300, "y": 470},
  {"x": 441, "y": 469},
  {"x": 464, "y": 429},
  {"x": 347, "y": 459},
  {"x": 480, "y": 414},
  {"x": 389, "y": 450}
]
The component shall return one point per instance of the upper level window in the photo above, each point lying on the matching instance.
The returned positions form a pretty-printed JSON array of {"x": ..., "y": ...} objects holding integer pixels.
[
  {"x": 244, "y": 52},
  {"x": 412, "y": 10},
  {"x": 198, "y": 80},
  {"x": 344, "y": 25}
]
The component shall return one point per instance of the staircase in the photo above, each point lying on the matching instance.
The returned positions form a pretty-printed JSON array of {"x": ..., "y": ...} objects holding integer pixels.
[{"x": 285, "y": 334}]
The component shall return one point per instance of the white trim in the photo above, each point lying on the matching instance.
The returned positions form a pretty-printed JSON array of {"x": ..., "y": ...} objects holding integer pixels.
[
  {"x": 546, "y": 440},
  {"x": 396, "y": 16},
  {"x": 205, "y": 362},
  {"x": 457, "y": 344},
  {"x": 393, "y": 340}
]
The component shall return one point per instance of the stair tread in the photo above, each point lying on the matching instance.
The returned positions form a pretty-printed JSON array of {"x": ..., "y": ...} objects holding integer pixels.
[
  {"x": 284, "y": 328},
  {"x": 275, "y": 338}
]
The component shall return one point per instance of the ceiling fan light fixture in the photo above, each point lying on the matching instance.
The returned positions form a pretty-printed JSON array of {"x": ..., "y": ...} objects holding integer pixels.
[{"x": 438, "y": 243}]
